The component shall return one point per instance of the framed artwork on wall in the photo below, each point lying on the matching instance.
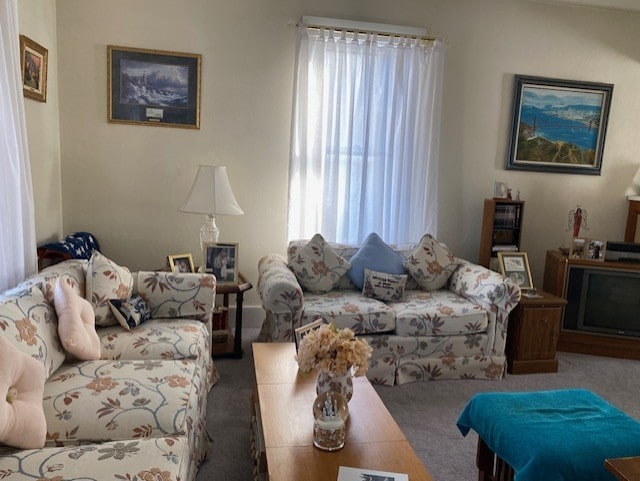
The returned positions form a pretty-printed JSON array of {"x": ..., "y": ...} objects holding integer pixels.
[
  {"x": 181, "y": 263},
  {"x": 515, "y": 266},
  {"x": 34, "y": 59},
  {"x": 222, "y": 260},
  {"x": 559, "y": 125},
  {"x": 153, "y": 87}
]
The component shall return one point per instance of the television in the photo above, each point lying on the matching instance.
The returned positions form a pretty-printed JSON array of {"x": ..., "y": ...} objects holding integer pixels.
[{"x": 603, "y": 301}]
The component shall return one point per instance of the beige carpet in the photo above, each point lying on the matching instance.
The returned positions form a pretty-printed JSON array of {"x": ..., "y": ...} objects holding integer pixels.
[{"x": 426, "y": 411}]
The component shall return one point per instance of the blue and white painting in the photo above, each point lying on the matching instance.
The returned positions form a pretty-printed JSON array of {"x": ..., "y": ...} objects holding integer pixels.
[
  {"x": 559, "y": 125},
  {"x": 154, "y": 84}
]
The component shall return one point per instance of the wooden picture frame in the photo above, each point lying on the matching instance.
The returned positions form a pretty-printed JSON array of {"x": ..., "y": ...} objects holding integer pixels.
[
  {"x": 181, "y": 263},
  {"x": 153, "y": 87},
  {"x": 34, "y": 61},
  {"x": 559, "y": 125},
  {"x": 302, "y": 331},
  {"x": 515, "y": 266},
  {"x": 578, "y": 248},
  {"x": 221, "y": 260},
  {"x": 596, "y": 250}
]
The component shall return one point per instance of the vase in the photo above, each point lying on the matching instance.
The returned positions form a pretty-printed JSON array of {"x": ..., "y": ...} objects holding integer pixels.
[{"x": 338, "y": 382}]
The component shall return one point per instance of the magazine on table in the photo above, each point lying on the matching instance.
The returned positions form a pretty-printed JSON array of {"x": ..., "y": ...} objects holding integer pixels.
[{"x": 362, "y": 474}]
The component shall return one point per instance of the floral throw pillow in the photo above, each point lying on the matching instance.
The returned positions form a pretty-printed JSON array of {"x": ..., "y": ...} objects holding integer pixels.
[
  {"x": 106, "y": 280},
  {"x": 317, "y": 266},
  {"x": 384, "y": 286},
  {"x": 431, "y": 264},
  {"x": 131, "y": 312}
]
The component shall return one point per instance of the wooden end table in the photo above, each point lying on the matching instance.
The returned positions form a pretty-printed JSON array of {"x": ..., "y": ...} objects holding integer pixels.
[
  {"x": 624, "y": 469},
  {"x": 233, "y": 345}
]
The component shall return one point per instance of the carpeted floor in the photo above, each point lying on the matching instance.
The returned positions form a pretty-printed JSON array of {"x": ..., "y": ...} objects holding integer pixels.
[{"x": 426, "y": 411}]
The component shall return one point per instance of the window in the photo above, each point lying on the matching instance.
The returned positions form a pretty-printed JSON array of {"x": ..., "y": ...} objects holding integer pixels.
[{"x": 365, "y": 135}]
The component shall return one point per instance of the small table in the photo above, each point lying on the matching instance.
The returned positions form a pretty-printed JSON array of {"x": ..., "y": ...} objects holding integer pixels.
[
  {"x": 624, "y": 469},
  {"x": 233, "y": 345}
]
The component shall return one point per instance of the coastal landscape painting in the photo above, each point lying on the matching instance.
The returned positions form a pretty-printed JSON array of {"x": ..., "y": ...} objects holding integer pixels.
[
  {"x": 153, "y": 87},
  {"x": 559, "y": 125}
]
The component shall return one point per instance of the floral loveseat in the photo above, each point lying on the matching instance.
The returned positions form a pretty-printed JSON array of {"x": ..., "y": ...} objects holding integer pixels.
[
  {"x": 137, "y": 411},
  {"x": 456, "y": 330}
]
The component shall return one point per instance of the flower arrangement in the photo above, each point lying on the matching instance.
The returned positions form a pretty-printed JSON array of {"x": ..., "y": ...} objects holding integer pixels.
[{"x": 333, "y": 351}]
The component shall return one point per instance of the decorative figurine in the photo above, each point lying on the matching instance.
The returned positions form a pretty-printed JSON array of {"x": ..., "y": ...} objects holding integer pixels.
[{"x": 577, "y": 220}]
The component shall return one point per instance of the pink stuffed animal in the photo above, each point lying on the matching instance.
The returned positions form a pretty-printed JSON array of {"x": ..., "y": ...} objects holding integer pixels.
[
  {"x": 22, "y": 421},
  {"x": 76, "y": 323}
]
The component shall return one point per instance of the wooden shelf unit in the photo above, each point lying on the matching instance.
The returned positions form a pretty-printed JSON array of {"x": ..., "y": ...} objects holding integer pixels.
[{"x": 501, "y": 228}]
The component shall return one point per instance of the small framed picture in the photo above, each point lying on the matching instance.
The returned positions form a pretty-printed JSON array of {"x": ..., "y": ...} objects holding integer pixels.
[
  {"x": 515, "y": 266},
  {"x": 33, "y": 62},
  {"x": 500, "y": 190},
  {"x": 222, "y": 261},
  {"x": 596, "y": 249},
  {"x": 306, "y": 329},
  {"x": 181, "y": 263},
  {"x": 578, "y": 249}
]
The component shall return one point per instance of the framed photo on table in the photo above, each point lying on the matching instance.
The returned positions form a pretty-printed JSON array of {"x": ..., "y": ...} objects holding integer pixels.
[
  {"x": 515, "y": 266},
  {"x": 559, "y": 125},
  {"x": 181, "y": 263},
  {"x": 153, "y": 87},
  {"x": 34, "y": 59},
  {"x": 222, "y": 261},
  {"x": 302, "y": 331},
  {"x": 578, "y": 249}
]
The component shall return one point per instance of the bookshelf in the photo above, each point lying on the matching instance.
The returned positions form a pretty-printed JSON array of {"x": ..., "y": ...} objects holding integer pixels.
[{"x": 501, "y": 229}]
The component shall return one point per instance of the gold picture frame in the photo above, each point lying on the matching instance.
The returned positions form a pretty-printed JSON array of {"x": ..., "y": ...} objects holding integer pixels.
[
  {"x": 515, "y": 266},
  {"x": 182, "y": 263},
  {"x": 153, "y": 87},
  {"x": 34, "y": 60}
]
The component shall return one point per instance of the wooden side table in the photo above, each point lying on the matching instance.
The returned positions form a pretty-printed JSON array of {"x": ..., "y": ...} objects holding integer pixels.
[
  {"x": 624, "y": 469},
  {"x": 532, "y": 334},
  {"x": 233, "y": 345}
]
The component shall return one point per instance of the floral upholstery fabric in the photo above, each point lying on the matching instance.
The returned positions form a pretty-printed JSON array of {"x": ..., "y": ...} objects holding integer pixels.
[
  {"x": 157, "y": 459},
  {"x": 317, "y": 266},
  {"x": 431, "y": 264},
  {"x": 74, "y": 272},
  {"x": 455, "y": 332},
  {"x": 29, "y": 322},
  {"x": 349, "y": 308},
  {"x": 437, "y": 313},
  {"x": 106, "y": 280}
]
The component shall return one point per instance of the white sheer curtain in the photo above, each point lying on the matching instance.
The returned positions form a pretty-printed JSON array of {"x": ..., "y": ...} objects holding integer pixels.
[
  {"x": 365, "y": 136},
  {"x": 17, "y": 222}
]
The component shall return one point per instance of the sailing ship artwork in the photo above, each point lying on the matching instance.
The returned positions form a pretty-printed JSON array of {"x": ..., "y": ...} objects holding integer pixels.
[{"x": 559, "y": 125}]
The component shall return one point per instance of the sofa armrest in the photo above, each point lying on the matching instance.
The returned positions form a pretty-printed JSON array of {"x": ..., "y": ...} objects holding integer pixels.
[
  {"x": 496, "y": 293},
  {"x": 281, "y": 296},
  {"x": 178, "y": 295}
]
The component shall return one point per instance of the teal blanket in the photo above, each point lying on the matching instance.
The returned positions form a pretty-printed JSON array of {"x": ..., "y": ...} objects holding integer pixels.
[{"x": 562, "y": 435}]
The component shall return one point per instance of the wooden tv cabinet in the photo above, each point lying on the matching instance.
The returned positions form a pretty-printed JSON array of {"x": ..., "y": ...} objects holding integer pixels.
[{"x": 555, "y": 281}]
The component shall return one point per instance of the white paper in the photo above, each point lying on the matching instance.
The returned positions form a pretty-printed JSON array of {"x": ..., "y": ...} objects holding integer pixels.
[{"x": 362, "y": 474}]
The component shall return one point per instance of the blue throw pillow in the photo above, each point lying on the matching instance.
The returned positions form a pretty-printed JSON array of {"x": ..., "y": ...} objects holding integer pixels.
[
  {"x": 130, "y": 312},
  {"x": 374, "y": 254}
]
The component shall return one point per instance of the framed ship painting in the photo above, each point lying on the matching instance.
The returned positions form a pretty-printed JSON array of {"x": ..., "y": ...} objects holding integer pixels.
[{"x": 559, "y": 125}]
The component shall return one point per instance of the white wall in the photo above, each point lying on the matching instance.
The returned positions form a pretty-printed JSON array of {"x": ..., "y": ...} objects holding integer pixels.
[
  {"x": 125, "y": 182},
  {"x": 37, "y": 20}
]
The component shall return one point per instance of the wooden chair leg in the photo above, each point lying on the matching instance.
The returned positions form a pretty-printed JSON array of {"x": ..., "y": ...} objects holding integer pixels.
[{"x": 484, "y": 461}]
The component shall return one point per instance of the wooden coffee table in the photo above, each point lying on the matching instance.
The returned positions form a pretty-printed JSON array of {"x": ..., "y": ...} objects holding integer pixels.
[{"x": 283, "y": 425}]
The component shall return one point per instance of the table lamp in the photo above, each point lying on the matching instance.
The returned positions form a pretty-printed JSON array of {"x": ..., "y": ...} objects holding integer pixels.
[{"x": 211, "y": 194}]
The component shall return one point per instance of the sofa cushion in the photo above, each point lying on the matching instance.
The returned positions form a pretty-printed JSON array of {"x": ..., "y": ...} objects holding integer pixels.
[
  {"x": 76, "y": 322},
  {"x": 106, "y": 280},
  {"x": 431, "y": 264},
  {"x": 349, "y": 308},
  {"x": 22, "y": 421},
  {"x": 119, "y": 400},
  {"x": 384, "y": 286},
  {"x": 130, "y": 312},
  {"x": 317, "y": 266},
  {"x": 376, "y": 255},
  {"x": 29, "y": 322},
  {"x": 437, "y": 313}
]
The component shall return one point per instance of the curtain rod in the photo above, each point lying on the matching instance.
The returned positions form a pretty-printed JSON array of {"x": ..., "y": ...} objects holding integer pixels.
[{"x": 351, "y": 27}]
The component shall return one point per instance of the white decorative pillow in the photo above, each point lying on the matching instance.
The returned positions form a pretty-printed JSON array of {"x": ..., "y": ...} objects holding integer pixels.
[
  {"x": 431, "y": 264},
  {"x": 106, "y": 280},
  {"x": 22, "y": 421},
  {"x": 317, "y": 266},
  {"x": 384, "y": 286}
]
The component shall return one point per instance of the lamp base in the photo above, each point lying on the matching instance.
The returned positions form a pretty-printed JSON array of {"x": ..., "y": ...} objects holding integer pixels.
[{"x": 209, "y": 232}]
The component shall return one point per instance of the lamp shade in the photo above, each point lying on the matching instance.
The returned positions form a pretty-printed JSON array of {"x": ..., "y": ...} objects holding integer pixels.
[{"x": 211, "y": 193}]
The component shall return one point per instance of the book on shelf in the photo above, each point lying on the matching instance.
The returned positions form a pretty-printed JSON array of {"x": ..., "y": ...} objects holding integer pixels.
[{"x": 362, "y": 474}]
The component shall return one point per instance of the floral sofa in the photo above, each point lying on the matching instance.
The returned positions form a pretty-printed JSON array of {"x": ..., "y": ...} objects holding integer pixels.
[
  {"x": 135, "y": 412},
  {"x": 454, "y": 331}
]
